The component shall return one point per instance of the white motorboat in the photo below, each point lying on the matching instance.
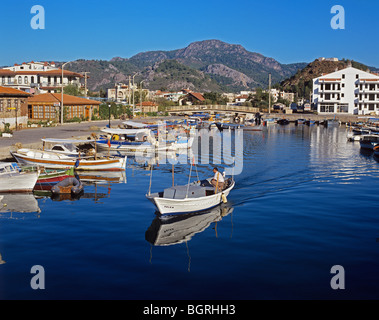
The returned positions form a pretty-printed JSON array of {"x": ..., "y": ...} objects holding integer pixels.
[
  {"x": 69, "y": 147},
  {"x": 196, "y": 196},
  {"x": 14, "y": 180},
  {"x": 32, "y": 157}
]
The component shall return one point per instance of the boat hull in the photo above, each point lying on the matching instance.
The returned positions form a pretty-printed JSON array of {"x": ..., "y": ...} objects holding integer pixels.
[
  {"x": 167, "y": 206},
  {"x": 86, "y": 165},
  {"x": 22, "y": 182}
]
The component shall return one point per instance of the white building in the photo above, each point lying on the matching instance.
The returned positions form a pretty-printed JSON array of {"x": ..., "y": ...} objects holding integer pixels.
[
  {"x": 276, "y": 94},
  {"x": 37, "y": 76},
  {"x": 349, "y": 90}
]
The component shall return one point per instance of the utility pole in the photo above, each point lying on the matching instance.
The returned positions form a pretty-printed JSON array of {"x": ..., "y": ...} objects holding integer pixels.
[
  {"x": 269, "y": 93},
  {"x": 62, "y": 106},
  {"x": 141, "y": 93},
  {"x": 85, "y": 82},
  {"x": 133, "y": 93},
  {"x": 129, "y": 92}
]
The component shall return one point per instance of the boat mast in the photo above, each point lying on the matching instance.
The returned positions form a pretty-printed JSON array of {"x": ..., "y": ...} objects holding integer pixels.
[{"x": 269, "y": 93}]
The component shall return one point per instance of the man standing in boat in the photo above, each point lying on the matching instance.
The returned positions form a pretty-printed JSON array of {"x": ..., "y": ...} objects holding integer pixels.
[{"x": 218, "y": 180}]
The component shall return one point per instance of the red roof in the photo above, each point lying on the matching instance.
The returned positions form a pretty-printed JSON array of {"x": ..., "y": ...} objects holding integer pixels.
[
  {"x": 197, "y": 95},
  {"x": 51, "y": 98},
  {"x": 5, "y": 91},
  {"x": 57, "y": 72},
  {"x": 148, "y": 104}
]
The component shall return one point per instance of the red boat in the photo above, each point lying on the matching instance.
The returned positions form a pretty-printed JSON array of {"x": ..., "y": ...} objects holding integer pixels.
[{"x": 48, "y": 179}]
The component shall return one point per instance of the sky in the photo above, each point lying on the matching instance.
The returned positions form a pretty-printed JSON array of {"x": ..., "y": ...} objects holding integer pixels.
[{"x": 288, "y": 31}]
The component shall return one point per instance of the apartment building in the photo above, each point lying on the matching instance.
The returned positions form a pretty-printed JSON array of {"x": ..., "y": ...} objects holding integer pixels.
[
  {"x": 349, "y": 90},
  {"x": 38, "y": 77}
]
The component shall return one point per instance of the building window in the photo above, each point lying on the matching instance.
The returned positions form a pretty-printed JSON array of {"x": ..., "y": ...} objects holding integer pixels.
[
  {"x": 19, "y": 80},
  {"x": 26, "y": 80},
  {"x": 1, "y": 105},
  {"x": 343, "y": 76},
  {"x": 356, "y": 76}
]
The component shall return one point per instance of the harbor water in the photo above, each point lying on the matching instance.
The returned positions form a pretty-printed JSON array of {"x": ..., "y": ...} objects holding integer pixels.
[{"x": 305, "y": 201}]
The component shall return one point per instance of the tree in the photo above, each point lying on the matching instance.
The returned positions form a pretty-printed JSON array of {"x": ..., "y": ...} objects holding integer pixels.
[{"x": 72, "y": 90}]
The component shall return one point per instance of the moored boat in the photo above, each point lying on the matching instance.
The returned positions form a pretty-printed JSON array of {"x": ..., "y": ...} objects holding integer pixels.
[
  {"x": 69, "y": 185},
  {"x": 48, "y": 178},
  {"x": 32, "y": 157},
  {"x": 369, "y": 141},
  {"x": 14, "y": 180},
  {"x": 283, "y": 121}
]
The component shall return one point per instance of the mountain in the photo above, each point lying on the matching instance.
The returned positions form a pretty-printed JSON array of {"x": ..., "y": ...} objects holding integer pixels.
[{"x": 209, "y": 65}]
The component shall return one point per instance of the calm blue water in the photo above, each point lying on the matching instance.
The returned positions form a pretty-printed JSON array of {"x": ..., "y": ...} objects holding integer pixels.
[{"x": 306, "y": 200}]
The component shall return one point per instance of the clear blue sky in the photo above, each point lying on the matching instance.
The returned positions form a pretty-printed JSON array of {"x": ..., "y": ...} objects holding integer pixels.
[{"x": 288, "y": 31}]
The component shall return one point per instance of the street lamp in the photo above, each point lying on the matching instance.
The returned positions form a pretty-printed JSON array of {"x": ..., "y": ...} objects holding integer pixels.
[
  {"x": 62, "y": 108},
  {"x": 109, "y": 106}
]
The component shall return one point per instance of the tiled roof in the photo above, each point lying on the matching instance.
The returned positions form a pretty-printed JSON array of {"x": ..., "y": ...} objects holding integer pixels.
[
  {"x": 56, "y": 97},
  {"x": 5, "y": 91},
  {"x": 197, "y": 95},
  {"x": 57, "y": 72},
  {"x": 148, "y": 104}
]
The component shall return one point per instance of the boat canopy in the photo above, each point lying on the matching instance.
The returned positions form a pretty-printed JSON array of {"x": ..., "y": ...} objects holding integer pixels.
[
  {"x": 138, "y": 125},
  {"x": 52, "y": 140},
  {"x": 125, "y": 131}
]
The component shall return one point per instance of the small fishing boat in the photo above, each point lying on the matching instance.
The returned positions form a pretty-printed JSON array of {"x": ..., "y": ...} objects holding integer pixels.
[
  {"x": 369, "y": 141},
  {"x": 32, "y": 157},
  {"x": 310, "y": 122},
  {"x": 332, "y": 123},
  {"x": 229, "y": 126},
  {"x": 69, "y": 147},
  {"x": 48, "y": 178},
  {"x": 14, "y": 180},
  {"x": 196, "y": 196},
  {"x": 283, "y": 121},
  {"x": 269, "y": 121},
  {"x": 376, "y": 150},
  {"x": 252, "y": 127},
  {"x": 69, "y": 185},
  {"x": 300, "y": 121}
]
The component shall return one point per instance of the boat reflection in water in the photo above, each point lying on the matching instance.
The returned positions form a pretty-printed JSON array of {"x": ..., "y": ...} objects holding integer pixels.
[
  {"x": 1, "y": 259},
  {"x": 175, "y": 229},
  {"x": 102, "y": 177},
  {"x": 11, "y": 203}
]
